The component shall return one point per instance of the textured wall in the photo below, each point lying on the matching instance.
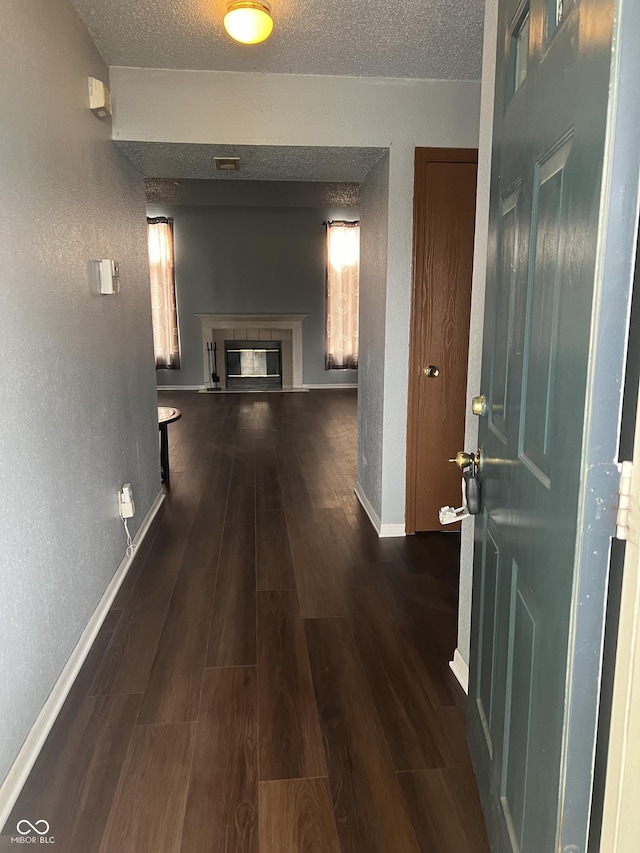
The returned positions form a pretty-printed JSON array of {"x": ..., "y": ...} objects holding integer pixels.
[
  {"x": 477, "y": 304},
  {"x": 398, "y": 317},
  {"x": 281, "y": 109},
  {"x": 251, "y": 260},
  {"x": 374, "y": 206},
  {"x": 78, "y": 396},
  {"x": 252, "y": 193}
]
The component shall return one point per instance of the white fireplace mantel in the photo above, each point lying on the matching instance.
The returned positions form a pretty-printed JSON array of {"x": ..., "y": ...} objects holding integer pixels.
[{"x": 292, "y": 322}]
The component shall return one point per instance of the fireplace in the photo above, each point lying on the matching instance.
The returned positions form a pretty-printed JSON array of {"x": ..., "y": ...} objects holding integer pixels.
[
  {"x": 242, "y": 330},
  {"x": 253, "y": 365}
]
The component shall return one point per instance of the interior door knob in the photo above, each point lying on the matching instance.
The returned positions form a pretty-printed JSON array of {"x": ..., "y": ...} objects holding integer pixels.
[{"x": 431, "y": 371}]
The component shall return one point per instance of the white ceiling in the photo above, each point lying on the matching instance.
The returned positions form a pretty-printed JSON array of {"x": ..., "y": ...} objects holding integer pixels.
[
  {"x": 425, "y": 39},
  {"x": 257, "y": 162}
]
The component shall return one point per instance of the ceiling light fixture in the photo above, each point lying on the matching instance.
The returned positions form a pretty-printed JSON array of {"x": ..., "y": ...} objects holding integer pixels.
[{"x": 248, "y": 22}]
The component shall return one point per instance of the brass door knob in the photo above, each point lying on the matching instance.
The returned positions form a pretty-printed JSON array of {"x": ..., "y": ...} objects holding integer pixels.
[
  {"x": 431, "y": 371},
  {"x": 479, "y": 405},
  {"x": 464, "y": 460}
]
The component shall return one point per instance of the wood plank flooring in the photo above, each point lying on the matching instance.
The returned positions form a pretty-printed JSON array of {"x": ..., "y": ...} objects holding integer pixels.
[{"x": 272, "y": 677}]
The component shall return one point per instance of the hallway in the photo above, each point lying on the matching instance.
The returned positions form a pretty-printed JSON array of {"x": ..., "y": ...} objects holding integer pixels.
[{"x": 272, "y": 677}]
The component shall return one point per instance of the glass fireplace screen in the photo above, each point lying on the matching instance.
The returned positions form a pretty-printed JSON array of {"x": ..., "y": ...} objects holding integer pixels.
[{"x": 253, "y": 364}]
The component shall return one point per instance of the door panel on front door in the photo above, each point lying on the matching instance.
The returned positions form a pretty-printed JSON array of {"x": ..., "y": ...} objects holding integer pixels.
[
  {"x": 549, "y": 140},
  {"x": 519, "y": 697},
  {"x": 541, "y": 320},
  {"x": 496, "y": 594},
  {"x": 504, "y": 314},
  {"x": 488, "y": 635}
]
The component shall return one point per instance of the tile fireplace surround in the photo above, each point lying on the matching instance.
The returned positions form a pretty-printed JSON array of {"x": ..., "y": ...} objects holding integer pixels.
[{"x": 264, "y": 327}]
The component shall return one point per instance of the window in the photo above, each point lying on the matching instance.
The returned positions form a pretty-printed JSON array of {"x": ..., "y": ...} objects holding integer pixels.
[
  {"x": 518, "y": 50},
  {"x": 343, "y": 280},
  {"x": 166, "y": 344}
]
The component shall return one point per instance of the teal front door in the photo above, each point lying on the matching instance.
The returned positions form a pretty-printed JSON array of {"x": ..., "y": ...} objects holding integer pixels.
[{"x": 553, "y": 364}]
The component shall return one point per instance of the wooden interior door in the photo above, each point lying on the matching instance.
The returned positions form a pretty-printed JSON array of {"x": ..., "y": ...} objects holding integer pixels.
[{"x": 443, "y": 230}]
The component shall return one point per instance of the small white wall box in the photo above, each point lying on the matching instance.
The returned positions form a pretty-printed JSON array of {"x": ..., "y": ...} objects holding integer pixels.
[
  {"x": 109, "y": 276},
  {"x": 99, "y": 98}
]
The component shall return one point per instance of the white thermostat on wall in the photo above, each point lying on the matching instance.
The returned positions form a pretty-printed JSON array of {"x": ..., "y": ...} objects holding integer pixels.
[
  {"x": 99, "y": 98},
  {"x": 109, "y": 276}
]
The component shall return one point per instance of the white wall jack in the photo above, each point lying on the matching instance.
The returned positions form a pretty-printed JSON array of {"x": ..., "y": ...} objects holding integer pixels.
[{"x": 126, "y": 505}]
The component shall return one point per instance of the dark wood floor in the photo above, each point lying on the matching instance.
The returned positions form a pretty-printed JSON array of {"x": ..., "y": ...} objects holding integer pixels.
[{"x": 272, "y": 677}]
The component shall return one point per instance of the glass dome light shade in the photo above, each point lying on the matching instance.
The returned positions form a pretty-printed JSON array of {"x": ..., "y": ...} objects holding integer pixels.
[{"x": 249, "y": 23}]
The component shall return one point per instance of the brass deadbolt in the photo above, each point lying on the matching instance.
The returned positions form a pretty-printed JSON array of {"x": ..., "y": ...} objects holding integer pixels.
[
  {"x": 431, "y": 371},
  {"x": 479, "y": 405}
]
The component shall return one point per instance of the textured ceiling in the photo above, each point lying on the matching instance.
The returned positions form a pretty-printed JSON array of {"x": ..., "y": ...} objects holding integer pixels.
[
  {"x": 428, "y": 39},
  {"x": 257, "y": 162}
]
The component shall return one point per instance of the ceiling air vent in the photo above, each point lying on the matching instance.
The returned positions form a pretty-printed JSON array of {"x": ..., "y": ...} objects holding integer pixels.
[{"x": 227, "y": 164}]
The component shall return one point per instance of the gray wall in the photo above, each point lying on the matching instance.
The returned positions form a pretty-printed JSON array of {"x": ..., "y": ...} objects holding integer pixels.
[
  {"x": 374, "y": 207},
  {"x": 78, "y": 385},
  {"x": 250, "y": 260}
]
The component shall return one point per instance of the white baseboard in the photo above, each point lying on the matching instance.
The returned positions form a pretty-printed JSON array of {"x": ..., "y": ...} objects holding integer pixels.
[
  {"x": 383, "y": 530},
  {"x": 286, "y": 389},
  {"x": 330, "y": 386},
  {"x": 460, "y": 669},
  {"x": 182, "y": 388},
  {"x": 311, "y": 387},
  {"x": 26, "y": 758},
  {"x": 366, "y": 506},
  {"x": 388, "y": 530}
]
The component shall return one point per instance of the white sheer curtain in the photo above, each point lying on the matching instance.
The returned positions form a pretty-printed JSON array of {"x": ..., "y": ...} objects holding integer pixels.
[
  {"x": 343, "y": 281},
  {"x": 166, "y": 344}
]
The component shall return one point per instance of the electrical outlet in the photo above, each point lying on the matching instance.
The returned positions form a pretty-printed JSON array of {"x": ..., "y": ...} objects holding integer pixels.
[{"x": 126, "y": 505}]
